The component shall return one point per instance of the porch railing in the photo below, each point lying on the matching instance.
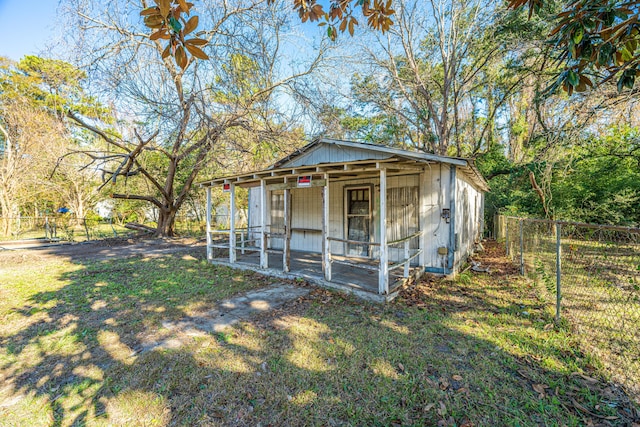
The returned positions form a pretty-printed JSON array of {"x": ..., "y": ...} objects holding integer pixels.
[
  {"x": 247, "y": 239},
  {"x": 243, "y": 236},
  {"x": 408, "y": 257}
]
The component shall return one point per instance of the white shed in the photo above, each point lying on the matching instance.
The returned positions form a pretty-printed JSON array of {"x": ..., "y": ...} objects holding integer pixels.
[{"x": 354, "y": 216}]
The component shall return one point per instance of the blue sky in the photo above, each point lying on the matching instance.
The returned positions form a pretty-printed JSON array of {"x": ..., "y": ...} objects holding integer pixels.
[{"x": 25, "y": 26}]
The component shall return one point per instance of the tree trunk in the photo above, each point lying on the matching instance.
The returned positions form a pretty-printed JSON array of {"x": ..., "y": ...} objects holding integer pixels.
[
  {"x": 166, "y": 222},
  {"x": 5, "y": 208}
]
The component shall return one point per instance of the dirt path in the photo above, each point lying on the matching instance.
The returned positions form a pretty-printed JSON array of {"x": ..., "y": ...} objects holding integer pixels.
[{"x": 99, "y": 250}]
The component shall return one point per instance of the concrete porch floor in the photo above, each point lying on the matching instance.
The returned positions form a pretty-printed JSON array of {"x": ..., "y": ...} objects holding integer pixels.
[{"x": 307, "y": 265}]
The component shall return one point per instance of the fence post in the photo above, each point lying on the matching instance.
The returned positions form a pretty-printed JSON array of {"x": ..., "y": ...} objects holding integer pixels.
[
  {"x": 115, "y": 234},
  {"x": 506, "y": 235},
  {"x": 86, "y": 228},
  {"x": 521, "y": 247},
  {"x": 558, "y": 270}
]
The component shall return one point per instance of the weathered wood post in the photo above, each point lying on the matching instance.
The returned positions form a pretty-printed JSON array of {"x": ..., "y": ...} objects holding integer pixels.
[
  {"x": 286, "y": 255},
  {"x": 232, "y": 223},
  {"x": 383, "y": 275},
  {"x": 506, "y": 235},
  {"x": 423, "y": 221},
  {"x": 264, "y": 257},
  {"x": 326, "y": 256},
  {"x": 208, "y": 228}
]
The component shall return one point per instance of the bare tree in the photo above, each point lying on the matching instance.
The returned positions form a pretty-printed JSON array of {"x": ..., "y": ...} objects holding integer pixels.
[
  {"x": 431, "y": 60},
  {"x": 173, "y": 120},
  {"x": 30, "y": 140}
]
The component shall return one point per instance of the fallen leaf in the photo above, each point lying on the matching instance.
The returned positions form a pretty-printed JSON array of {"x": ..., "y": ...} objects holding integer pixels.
[
  {"x": 442, "y": 410},
  {"x": 428, "y": 407},
  {"x": 401, "y": 367},
  {"x": 588, "y": 379},
  {"x": 444, "y": 384},
  {"x": 457, "y": 377},
  {"x": 539, "y": 388},
  {"x": 585, "y": 410}
]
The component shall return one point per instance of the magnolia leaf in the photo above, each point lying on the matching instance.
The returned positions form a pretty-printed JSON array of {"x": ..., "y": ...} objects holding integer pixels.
[
  {"x": 343, "y": 25},
  {"x": 150, "y": 11},
  {"x": 181, "y": 57},
  {"x": 196, "y": 42},
  {"x": 167, "y": 51},
  {"x": 185, "y": 6},
  {"x": 153, "y": 21},
  {"x": 573, "y": 78},
  {"x": 157, "y": 35},
  {"x": 578, "y": 35},
  {"x": 196, "y": 51},
  {"x": 191, "y": 25},
  {"x": 165, "y": 7}
]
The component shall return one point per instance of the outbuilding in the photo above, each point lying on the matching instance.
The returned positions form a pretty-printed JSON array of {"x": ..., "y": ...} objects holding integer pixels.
[{"x": 353, "y": 216}]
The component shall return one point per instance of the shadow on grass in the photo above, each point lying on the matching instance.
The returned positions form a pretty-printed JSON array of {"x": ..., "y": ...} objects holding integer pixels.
[{"x": 477, "y": 354}]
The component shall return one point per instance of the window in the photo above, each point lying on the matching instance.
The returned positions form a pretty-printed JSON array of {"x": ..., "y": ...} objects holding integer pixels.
[{"x": 403, "y": 214}]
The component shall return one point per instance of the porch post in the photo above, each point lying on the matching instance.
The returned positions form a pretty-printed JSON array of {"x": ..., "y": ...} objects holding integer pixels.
[
  {"x": 209, "y": 248},
  {"x": 286, "y": 255},
  {"x": 383, "y": 277},
  {"x": 264, "y": 260},
  {"x": 326, "y": 255},
  {"x": 232, "y": 224},
  {"x": 422, "y": 219}
]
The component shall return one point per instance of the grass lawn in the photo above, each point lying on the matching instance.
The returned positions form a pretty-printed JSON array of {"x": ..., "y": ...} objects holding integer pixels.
[{"x": 480, "y": 350}]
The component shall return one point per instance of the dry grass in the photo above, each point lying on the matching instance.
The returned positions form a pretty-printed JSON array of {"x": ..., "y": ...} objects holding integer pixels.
[{"x": 476, "y": 351}]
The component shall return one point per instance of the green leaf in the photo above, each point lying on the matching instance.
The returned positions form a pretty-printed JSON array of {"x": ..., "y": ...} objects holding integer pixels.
[
  {"x": 605, "y": 54},
  {"x": 175, "y": 25},
  {"x": 578, "y": 34},
  {"x": 573, "y": 78},
  {"x": 620, "y": 84}
]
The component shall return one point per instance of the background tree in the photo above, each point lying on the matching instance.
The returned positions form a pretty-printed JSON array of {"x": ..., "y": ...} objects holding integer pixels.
[{"x": 33, "y": 96}]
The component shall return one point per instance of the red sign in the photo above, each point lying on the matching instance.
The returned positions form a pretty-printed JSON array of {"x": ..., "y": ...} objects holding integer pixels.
[
  {"x": 226, "y": 188},
  {"x": 304, "y": 181}
]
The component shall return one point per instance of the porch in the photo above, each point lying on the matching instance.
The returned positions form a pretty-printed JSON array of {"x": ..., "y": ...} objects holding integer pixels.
[
  {"x": 355, "y": 227},
  {"x": 359, "y": 277}
]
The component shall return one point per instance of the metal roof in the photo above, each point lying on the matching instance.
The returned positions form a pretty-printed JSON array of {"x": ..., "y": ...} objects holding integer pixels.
[{"x": 350, "y": 152}]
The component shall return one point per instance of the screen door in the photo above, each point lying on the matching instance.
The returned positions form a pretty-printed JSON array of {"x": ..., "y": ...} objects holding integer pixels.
[{"x": 358, "y": 220}]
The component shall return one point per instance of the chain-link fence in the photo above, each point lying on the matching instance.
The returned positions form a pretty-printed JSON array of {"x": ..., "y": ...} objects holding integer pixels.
[
  {"x": 59, "y": 228},
  {"x": 72, "y": 229},
  {"x": 590, "y": 276}
]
